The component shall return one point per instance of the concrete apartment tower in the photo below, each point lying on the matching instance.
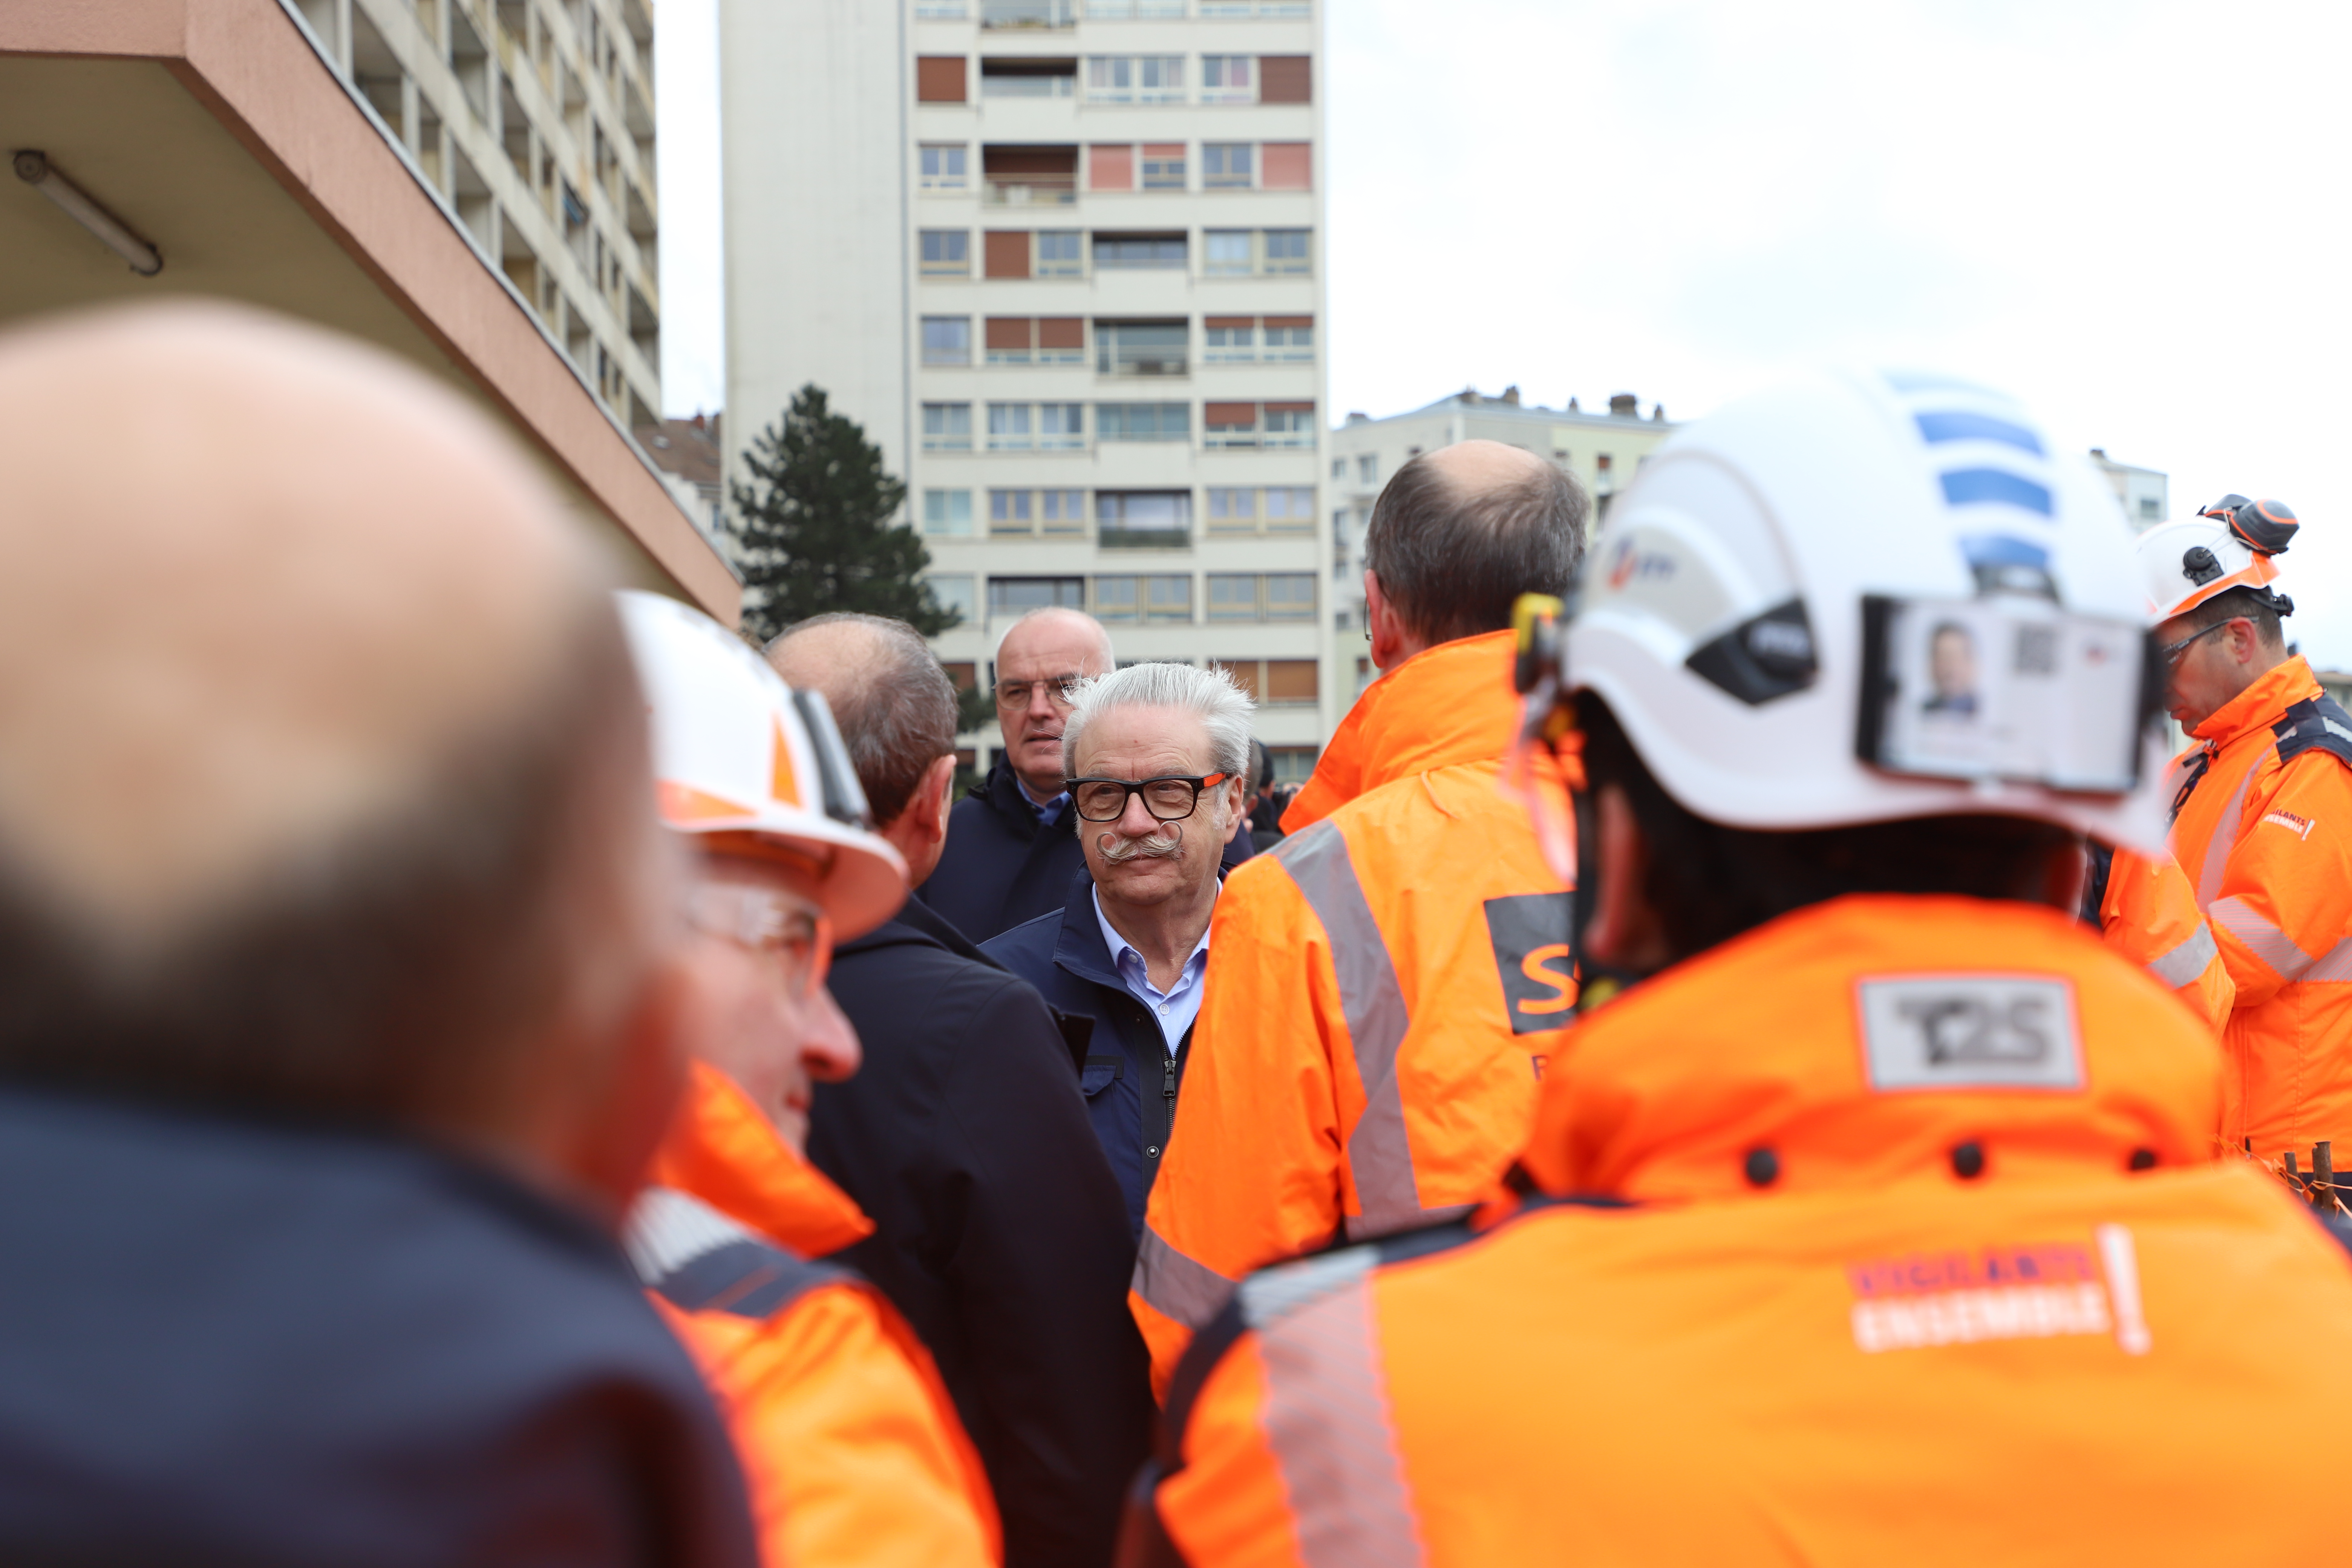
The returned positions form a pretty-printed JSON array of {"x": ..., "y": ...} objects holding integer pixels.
[{"x": 1064, "y": 260}]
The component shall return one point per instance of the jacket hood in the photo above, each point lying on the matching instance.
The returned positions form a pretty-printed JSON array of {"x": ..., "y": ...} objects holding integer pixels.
[
  {"x": 721, "y": 1149},
  {"x": 2261, "y": 704},
  {"x": 1452, "y": 703},
  {"x": 1769, "y": 1043}
]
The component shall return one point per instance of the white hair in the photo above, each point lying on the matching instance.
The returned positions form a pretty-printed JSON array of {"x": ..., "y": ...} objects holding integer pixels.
[{"x": 1211, "y": 696}]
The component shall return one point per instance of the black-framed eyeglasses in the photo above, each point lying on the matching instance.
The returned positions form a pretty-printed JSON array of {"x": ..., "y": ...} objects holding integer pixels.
[
  {"x": 1062, "y": 691},
  {"x": 2172, "y": 652},
  {"x": 1169, "y": 799}
]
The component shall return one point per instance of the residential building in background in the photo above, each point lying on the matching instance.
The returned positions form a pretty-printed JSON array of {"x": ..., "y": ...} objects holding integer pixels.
[
  {"x": 467, "y": 184},
  {"x": 1064, "y": 260},
  {"x": 1602, "y": 451},
  {"x": 2145, "y": 493},
  {"x": 691, "y": 454}
]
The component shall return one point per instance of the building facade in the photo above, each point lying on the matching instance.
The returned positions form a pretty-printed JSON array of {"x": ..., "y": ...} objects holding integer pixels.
[
  {"x": 1064, "y": 260},
  {"x": 1602, "y": 451},
  {"x": 467, "y": 183},
  {"x": 2145, "y": 493}
]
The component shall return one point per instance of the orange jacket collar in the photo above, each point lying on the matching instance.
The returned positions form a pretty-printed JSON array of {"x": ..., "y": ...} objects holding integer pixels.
[
  {"x": 1758, "y": 1046},
  {"x": 2260, "y": 705},
  {"x": 721, "y": 1149},
  {"x": 1452, "y": 703}
]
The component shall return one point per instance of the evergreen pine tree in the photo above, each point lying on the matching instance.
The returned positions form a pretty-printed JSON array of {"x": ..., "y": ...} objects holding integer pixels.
[{"x": 815, "y": 531}]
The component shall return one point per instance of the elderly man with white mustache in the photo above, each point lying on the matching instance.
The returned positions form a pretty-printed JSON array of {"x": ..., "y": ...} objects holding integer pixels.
[{"x": 1157, "y": 762}]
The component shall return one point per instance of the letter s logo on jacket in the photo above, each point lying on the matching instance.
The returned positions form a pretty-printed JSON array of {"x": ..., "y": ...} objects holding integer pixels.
[{"x": 1533, "y": 955}]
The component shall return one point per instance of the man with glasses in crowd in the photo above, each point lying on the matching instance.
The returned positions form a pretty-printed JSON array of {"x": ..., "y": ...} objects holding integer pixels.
[
  {"x": 1158, "y": 759},
  {"x": 1011, "y": 849}
]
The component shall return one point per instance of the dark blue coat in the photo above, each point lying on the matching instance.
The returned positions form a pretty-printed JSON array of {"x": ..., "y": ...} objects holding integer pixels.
[
  {"x": 1131, "y": 1081},
  {"x": 226, "y": 1341},
  {"x": 997, "y": 1226},
  {"x": 1000, "y": 868}
]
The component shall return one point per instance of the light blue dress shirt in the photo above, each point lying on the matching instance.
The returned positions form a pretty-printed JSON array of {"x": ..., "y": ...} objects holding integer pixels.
[{"x": 1177, "y": 1005}]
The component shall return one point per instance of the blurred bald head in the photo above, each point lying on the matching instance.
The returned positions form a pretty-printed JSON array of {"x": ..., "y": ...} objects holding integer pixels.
[
  {"x": 322, "y": 769},
  {"x": 1459, "y": 533}
]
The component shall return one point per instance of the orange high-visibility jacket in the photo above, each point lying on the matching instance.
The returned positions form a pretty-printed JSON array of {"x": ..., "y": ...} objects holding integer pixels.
[
  {"x": 2264, "y": 836},
  {"x": 1922, "y": 1254},
  {"x": 1383, "y": 990},
  {"x": 849, "y": 1443},
  {"x": 2150, "y": 915}
]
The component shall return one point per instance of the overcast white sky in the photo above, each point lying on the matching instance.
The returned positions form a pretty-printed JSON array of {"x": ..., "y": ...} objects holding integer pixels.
[{"x": 2136, "y": 215}]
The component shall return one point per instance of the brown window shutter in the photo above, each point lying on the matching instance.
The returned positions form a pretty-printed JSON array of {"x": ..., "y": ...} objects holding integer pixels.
[
  {"x": 1008, "y": 332},
  {"x": 1006, "y": 253},
  {"x": 1231, "y": 414},
  {"x": 1290, "y": 320},
  {"x": 1290, "y": 408},
  {"x": 1163, "y": 148},
  {"x": 938, "y": 78},
  {"x": 1290, "y": 680},
  {"x": 1110, "y": 166},
  {"x": 1245, "y": 674},
  {"x": 1284, "y": 78},
  {"x": 1229, "y": 321},
  {"x": 1061, "y": 332},
  {"x": 1286, "y": 166}
]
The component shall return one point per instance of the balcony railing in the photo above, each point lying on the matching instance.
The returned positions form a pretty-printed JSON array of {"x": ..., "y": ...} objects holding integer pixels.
[
  {"x": 1028, "y": 13},
  {"x": 1027, "y": 86},
  {"x": 1112, "y": 537},
  {"x": 1031, "y": 190},
  {"x": 1141, "y": 359}
]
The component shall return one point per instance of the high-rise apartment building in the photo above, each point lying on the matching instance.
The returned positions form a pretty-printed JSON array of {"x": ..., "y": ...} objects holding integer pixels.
[
  {"x": 1064, "y": 260},
  {"x": 1602, "y": 451}
]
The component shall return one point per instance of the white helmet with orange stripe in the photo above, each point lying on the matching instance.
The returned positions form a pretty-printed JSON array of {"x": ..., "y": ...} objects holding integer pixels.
[
  {"x": 751, "y": 766},
  {"x": 2230, "y": 545}
]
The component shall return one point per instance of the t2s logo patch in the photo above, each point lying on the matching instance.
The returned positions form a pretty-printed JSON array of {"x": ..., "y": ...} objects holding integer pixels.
[{"x": 1532, "y": 954}]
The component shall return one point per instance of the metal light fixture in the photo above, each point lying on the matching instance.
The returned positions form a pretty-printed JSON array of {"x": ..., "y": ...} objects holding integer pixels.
[{"x": 33, "y": 168}]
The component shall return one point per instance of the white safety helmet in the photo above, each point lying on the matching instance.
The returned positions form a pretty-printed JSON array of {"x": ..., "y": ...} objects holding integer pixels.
[
  {"x": 2230, "y": 545},
  {"x": 1870, "y": 596},
  {"x": 737, "y": 751}
]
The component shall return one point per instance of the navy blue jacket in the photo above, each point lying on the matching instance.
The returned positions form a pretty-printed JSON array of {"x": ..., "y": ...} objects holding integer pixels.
[
  {"x": 238, "y": 1341},
  {"x": 1001, "y": 868},
  {"x": 998, "y": 1229},
  {"x": 1131, "y": 1081}
]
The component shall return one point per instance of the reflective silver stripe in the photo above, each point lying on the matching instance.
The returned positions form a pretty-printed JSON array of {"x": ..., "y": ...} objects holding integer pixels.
[
  {"x": 2185, "y": 963},
  {"x": 2216, "y": 864},
  {"x": 1379, "y": 1157},
  {"x": 2334, "y": 967},
  {"x": 1328, "y": 1421},
  {"x": 2262, "y": 938},
  {"x": 1363, "y": 1227},
  {"x": 1177, "y": 1286}
]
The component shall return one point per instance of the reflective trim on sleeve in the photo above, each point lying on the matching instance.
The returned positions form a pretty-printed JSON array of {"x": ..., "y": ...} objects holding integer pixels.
[
  {"x": 2185, "y": 963},
  {"x": 2215, "y": 865},
  {"x": 2333, "y": 967},
  {"x": 1379, "y": 1157},
  {"x": 1330, "y": 1429},
  {"x": 1177, "y": 1286},
  {"x": 2262, "y": 938}
]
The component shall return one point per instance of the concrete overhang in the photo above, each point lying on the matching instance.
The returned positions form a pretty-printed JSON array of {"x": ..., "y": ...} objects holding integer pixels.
[{"x": 215, "y": 133}]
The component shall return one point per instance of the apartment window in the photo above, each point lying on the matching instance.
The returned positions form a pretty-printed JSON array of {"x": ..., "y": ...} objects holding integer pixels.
[
  {"x": 1229, "y": 252},
  {"x": 1287, "y": 166},
  {"x": 1368, "y": 469},
  {"x": 1229, "y": 424},
  {"x": 947, "y": 512},
  {"x": 1295, "y": 764},
  {"x": 1135, "y": 79},
  {"x": 1049, "y": 512},
  {"x": 1275, "y": 682},
  {"x": 1029, "y": 177},
  {"x": 1286, "y": 250},
  {"x": 1258, "y": 424},
  {"x": 1145, "y": 519},
  {"x": 1290, "y": 424},
  {"x": 1143, "y": 421},
  {"x": 1110, "y": 166},
  {"x": 1226, "y": 165},
  {"x": 1261, "y": 596},
  {"x": 1138, "y": 251},
  {"x": 1339, "y": 468},
  {"x": 1289, "y": 338},
  {"x": 1009, "y": 597},
  {"x": 945, "y": 166},
  {"x": 1229, "y": 8},
  {"x": 1059, "y": 254},
  {"x": 953, "y": 591},
  {"x": 1227, "y": 79},
  {"x": 1133, "y": 10},
  {"x": 1272, "y": 508},
  {"x": 947, "y": 253},
  {"x": 2150, "y": 509},
  {"x": 947, "y": 426},
  {"x": 1236, "y": 340},
  {"x": 1036, "y": 427},
  {"x": 947, "y": 339},
  {"x": 1131, "y": 600},
  {"x": 1036, "y": 340},
  {"x": 1286, "y": 78},
  {"x": 1163, "y": 165},
  {"x": 939, "y": 78},
  {"x": 1140, "y": 348},
  {"x": 1255, "y": 253},
  {"x": 1028, "y": 79}
]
